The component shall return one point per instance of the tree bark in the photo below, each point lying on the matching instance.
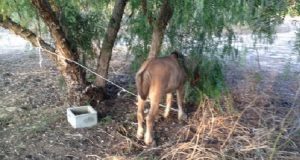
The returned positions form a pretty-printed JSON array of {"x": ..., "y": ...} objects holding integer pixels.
[
  {"x": 74, "y": 76},
  {"x": 166, "y": 12},
  {"x": 109, "y": 40}
]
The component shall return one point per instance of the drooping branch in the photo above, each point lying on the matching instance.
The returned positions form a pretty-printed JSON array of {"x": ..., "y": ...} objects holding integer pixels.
[
  {"x": 25, "y": 33},
  {"x": 50, "y": 19},
  {"x": 166, "y": 12},
  {"x": 109, "y": 40},
  {"x": 145, "y": 11}
]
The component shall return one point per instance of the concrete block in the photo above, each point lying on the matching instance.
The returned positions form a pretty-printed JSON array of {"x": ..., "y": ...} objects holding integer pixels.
[{"x": 81, "y": 117}]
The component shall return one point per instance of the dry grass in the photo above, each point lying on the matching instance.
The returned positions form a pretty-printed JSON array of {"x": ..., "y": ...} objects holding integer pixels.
[
  {"x": 252, "y": 127},
  {"x": 211, "y": 135},
  {"x": 255, "y": 130}
]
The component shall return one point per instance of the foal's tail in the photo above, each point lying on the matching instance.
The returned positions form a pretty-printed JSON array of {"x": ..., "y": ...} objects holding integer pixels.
[{"x": 142, "y": 81}]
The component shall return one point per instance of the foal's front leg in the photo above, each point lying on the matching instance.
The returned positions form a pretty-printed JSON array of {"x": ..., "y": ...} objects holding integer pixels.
[
  {"x": 140, "y": 117},
  {"x": 180, "y": 97},
  {"x": 169, "y": 103}
]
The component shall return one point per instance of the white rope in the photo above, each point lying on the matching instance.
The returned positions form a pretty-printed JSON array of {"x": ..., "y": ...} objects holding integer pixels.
[
  {"x": 40, "y": 57},
  {"x": 86, "y": 68}
]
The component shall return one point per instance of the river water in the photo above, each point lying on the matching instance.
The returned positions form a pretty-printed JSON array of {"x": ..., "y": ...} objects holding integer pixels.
[{"x": 278, "y": 56}]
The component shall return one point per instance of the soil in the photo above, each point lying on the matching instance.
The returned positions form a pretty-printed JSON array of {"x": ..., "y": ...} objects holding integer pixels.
[{"x": 33, "y": 123}]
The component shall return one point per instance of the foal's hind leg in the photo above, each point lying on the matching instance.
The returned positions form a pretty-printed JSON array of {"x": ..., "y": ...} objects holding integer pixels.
[
  {"x": 169, "y": 103},
  {"x": 180, "y": 97},
  {"x": 154, "y": 101},
  {"x": 140, "y": 118}
]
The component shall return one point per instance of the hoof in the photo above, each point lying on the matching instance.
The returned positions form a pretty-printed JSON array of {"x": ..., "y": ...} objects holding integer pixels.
[
  {"x": 166, "y": 115},
  {"x": 153, "y": 144},
  {"x": 140, "y": 134},
  {"x": 149, "y": 141},
  {"x": 182, "y": 116},
  {"x": 139, "y": 137}
]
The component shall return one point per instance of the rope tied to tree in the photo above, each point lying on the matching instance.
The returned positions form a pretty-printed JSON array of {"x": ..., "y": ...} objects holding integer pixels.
[{"x": 93, "y": 72}]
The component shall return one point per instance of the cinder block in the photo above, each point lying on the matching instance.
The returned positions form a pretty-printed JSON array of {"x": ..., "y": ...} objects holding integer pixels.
[{"x": 81, "y": 117}]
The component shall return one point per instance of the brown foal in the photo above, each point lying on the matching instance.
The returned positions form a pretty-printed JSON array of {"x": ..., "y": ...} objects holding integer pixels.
[{"x": 158, "y": 77}]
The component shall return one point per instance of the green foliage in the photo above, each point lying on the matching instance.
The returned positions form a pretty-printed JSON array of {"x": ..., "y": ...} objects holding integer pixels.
[
  {"x": 203, "y": 31},
  {"x": 265, "y": 16},
  {"x": 139, "y": 38},
  {"x": 206, "y": 77},
  {"x": 294, "y": 7},
  {"x": 21, "y": 11},
  {"x": 195, "y": 23},
  {"x": 83, "y": 21},
  {"x": 140, "y": 56}
]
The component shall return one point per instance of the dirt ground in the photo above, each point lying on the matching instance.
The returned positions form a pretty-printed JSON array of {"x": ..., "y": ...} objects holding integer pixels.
[{"x": 33, "y": 122}]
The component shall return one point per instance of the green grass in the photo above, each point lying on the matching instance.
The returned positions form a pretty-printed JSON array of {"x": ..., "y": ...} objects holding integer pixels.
[
  {"x": 41, "y": 123},
  {"x": 106, "y": 120}
]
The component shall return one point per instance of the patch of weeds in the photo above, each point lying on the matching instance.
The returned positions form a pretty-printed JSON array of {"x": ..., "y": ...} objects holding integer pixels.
[
  {"x": 62, "y": 83},
  {"x": 42, "y": 124},
  {"x": 91, "y": 77},
  {"x": 21, "y": 146},
  {"x": 150, "y": 157},
  {"x": 132, "y": 117},
  {"x": 227, "y": 104},
  {"x": 131, "y": 88},
  {"x": 4, "y": 121},
  {"x": 38, "y": 127},
  {"x": 257, "y": 77},
  {"x": 106, "y": 120}
]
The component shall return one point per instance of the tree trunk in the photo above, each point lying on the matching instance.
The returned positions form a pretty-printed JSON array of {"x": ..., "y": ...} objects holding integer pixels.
[
  {"x": 74, "y": 76},
  {"x": 109, "y": 40},
  {"x": 166, "y": 12}
]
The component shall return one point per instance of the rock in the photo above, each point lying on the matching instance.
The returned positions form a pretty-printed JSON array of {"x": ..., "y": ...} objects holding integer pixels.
[
  {"x": 38, "y": 80},
  {"x": 6, "y": 83},
  {"x": 7, "y": 74},
  {"x": 28, "y": 156},
  {"x": 11, "y": 109}
]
